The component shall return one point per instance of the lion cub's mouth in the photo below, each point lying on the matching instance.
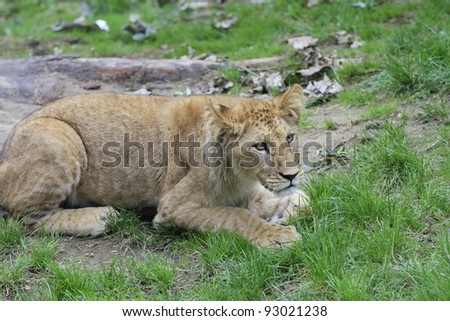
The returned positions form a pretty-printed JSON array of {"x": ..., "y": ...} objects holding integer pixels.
[{"x": 283, "y": 188}]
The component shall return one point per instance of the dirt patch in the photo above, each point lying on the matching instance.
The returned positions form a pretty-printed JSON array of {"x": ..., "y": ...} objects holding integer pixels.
[
  {"x": 340, "y": 115},
  {"x": 347, "y": 128},
  {"x": 406, "y": 17},
  {"x": 93, "y": 252}
]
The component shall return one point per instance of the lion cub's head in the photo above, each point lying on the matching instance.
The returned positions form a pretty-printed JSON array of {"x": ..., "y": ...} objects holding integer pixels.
[{"x": 261, "y": 138}]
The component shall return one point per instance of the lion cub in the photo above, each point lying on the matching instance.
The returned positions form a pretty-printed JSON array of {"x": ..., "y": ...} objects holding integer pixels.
[{"x": 207, "y": 163}]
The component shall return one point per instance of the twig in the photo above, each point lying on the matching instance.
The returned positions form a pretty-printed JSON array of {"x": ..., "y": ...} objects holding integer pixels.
[
  {"x": 63, "y": 25},
  {"x": 426, "y": 149},
  {"x": 240, "y": 67}
]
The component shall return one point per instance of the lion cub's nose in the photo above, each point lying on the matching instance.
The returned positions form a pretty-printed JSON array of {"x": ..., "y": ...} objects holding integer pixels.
[{"x": 289, "y": 177}]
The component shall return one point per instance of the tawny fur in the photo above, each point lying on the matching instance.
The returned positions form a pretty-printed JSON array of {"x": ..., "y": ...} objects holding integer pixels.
[{"x": 56, "y": 155}]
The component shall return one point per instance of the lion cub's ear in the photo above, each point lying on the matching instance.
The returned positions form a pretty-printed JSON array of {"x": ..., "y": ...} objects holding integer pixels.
[
  {"x": 222, "y": 114},
  {"x": 290, "y": 103},
  {"x": 222, "y": 119}
]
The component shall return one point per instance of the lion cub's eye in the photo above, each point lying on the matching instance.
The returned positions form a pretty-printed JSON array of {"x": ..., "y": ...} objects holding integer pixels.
[
  {"x": 261, "y": 146},
  {"x": 290, "y": 138}
]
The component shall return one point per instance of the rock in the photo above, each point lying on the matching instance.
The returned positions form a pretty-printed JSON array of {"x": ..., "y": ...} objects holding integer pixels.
[
  {"x": 10, "y": 113},
  {"x": 39, "y": 80},
  {"x": 92, "y": 86},
  {"x": 51, "y": 87},
  {"x": 27, "y": 83},
  {"x": 258, "y": 62}
]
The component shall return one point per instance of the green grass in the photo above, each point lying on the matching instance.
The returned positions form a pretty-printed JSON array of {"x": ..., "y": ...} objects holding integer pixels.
[
  {"x": 354, "y": 71},
  {"x": 175, "y": 29},
  {"x": 329, "y": 124},
  {"x": 379, "y": 111},
  {"x": 356, "y": 97},
  {"x": 257, "y": 33},
  {"x": 437, "y": 111},
  {"x": 416, "y": 65},
  {"x": 127, "y": 225},
  {"x": 234, "y": 75},
  {"x": 418, "y": 60},
  {"x": 370, "y": 90},
  {"x": 367, "y": 230},
  {"x": 306, "y": 123},
  {"x": 10, "y": 236}
]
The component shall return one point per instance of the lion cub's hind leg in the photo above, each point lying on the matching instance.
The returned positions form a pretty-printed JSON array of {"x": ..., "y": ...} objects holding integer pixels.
[
  {"x": 44, "y": 164},
  {"x": 86, "y": 221}
]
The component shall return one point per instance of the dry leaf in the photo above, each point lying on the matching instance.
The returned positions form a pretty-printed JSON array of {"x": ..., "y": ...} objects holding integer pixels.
[
  {"x": 196, "y": 5},
  {"x": 274, "y": 80},
  {"x": 304, "y": 42},
  {"x": 224, "y": 21},
  {"x": 323, "y": 89},
  {"x": 139, "y": 29},
  {"x": 312, "y": 3},
  {"x": 212, "y": 58},
  {"x": 348, "y": 39},
  {"x": 359, "y": 4},
  {"x": 80, "y": 23},
  {"x": 316, "y": 62},
  {"x": 191, "y": 52},
  {"x": 310, "y": 72},
  {"x": 102, "y": 25},
  {"x": 343, "y": 38},
  {"x": 357, "y": 44},
  {"x": 264, "y": 82},
  {"x": 218, "y": 85},
  {"x": 186, "y": 92},
  {"x": 142, "y": 92}
]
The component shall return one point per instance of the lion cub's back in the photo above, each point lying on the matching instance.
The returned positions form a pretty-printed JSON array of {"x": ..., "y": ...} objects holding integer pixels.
[
  {"x": 103, "y": 118},
  {"x": 103, "y": 111},
  {"x": 122, "y": 120}
]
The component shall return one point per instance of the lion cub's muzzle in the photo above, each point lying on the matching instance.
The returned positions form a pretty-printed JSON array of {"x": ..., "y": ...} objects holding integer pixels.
[
  {"x": 289, "y": 177},
  {"x": 282, "y": 183}
]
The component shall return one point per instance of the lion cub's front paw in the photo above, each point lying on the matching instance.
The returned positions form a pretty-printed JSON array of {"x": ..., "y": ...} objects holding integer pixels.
[
  {"x": 292, "y": 205},
  {"x": 278, "y": 236}
]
